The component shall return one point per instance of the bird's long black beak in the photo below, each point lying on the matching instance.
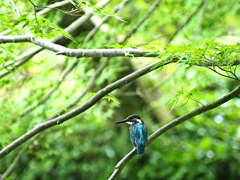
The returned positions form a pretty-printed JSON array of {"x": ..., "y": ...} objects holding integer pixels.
[{"x": 123, "y": 121}]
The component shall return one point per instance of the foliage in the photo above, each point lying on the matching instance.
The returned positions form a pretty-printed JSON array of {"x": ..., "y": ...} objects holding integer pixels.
[{"x": 90, "y": 145}]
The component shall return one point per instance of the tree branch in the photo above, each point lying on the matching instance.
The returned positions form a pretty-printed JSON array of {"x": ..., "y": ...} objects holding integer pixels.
[
  {"x": 76, "y": 52},
  {"x": 233, "y": 77},
  {"x": 45, "y": 10},
  {"x": 134, "y": 29},
  {"x": 16, "y": 12},
  {"x": 87, "y": 89},
  {"x": 25, "y": 57},
  {"x": 187, "y": 21},
  {"x": 66, "y": 72},
  {"x": 15, "y": 161},
  {"x": 96, "y": 28},
  {"x": 93, "y": 100},
  {"x": 90, "y": 85},
  {"x": 175, "y": 122},
  {"x": 20, "y": 60},
  {"x": 35, "y": 14},
  {"x": 48, "y": 95},
  {"x": 52, "y": 6}
]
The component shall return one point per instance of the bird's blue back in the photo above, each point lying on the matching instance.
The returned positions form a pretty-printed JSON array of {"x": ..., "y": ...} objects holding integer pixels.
[{"x": 138, "y": 136}]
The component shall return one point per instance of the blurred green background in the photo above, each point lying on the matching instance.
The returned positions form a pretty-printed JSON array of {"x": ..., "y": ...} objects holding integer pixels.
[{"x": 89, "y": 145}]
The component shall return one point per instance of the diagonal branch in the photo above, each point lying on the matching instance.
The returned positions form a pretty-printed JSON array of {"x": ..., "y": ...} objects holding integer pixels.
[
  {"x": 87, "y": 89},
  {"x": 90, "y": 85},
  {"x": 186, "y": 22},
  {"x": 134, "y": 29},
  {"x": 88, "y": 104},
  {"x": 16, "y": 12},
  {"x": 52, "y": 6},
  {"x": 96, "y": 28},
  {"x": 48, "y": 95},
  {"x": 175, "y": 122},
  {"x": 15, "y": 161}
]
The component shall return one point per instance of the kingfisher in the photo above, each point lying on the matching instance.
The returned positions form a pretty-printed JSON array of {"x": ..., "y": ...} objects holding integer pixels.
[{"x": 138, "y": 132}]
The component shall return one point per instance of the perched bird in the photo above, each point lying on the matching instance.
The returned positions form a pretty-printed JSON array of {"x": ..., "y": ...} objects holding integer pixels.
[{"x": 138, "y": 132}]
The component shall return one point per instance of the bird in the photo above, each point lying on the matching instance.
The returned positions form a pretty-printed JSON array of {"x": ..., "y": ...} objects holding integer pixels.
[{"x": 138, "y": 132}]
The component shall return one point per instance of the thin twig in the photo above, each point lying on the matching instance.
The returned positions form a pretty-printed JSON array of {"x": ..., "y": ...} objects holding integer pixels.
[
  {"x": 200, "y": 19},
  {"x": 48, "y": 95},
  {"x": 45, "y": 10},
  {"x": 35, "y": 14},
  {"x": 17, "y": 12},
  {"x": 16, "y": 159},
  {"x": 230, "y": 72},
  {"x": 96, "y": 28},
  {"x": 52, "y": 6},
  {"x": 227, "y": 76},
  {"x": 186, "y": 22},
  {"x": 141, "y": 21},
  {"x": 87, "y": 89}
]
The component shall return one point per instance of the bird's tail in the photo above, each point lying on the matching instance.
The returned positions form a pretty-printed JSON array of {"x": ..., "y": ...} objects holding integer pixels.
[{"x": 140, "y": 149}]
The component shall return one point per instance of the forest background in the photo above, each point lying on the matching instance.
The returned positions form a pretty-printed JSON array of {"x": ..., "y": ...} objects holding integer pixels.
[{"x": 71, "y": 69}]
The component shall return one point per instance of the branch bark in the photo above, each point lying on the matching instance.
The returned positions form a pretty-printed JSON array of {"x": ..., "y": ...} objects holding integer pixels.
[
  {"x": 61, "y": 50},
  {"x": 175, "y": 122}
]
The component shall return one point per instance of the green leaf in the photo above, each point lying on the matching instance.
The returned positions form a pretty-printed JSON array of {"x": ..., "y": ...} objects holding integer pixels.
[{"x": 112, "y": 98}]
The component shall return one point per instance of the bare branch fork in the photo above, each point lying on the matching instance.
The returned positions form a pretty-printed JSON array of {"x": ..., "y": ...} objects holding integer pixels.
[{"x": 175, "y": 122}]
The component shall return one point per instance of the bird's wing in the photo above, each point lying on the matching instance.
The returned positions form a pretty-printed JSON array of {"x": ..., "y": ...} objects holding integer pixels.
[
  {"x": 144, "y": 135},
  {"x": 138, "y": 135},
  {"x": 134, "y": 135}
]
